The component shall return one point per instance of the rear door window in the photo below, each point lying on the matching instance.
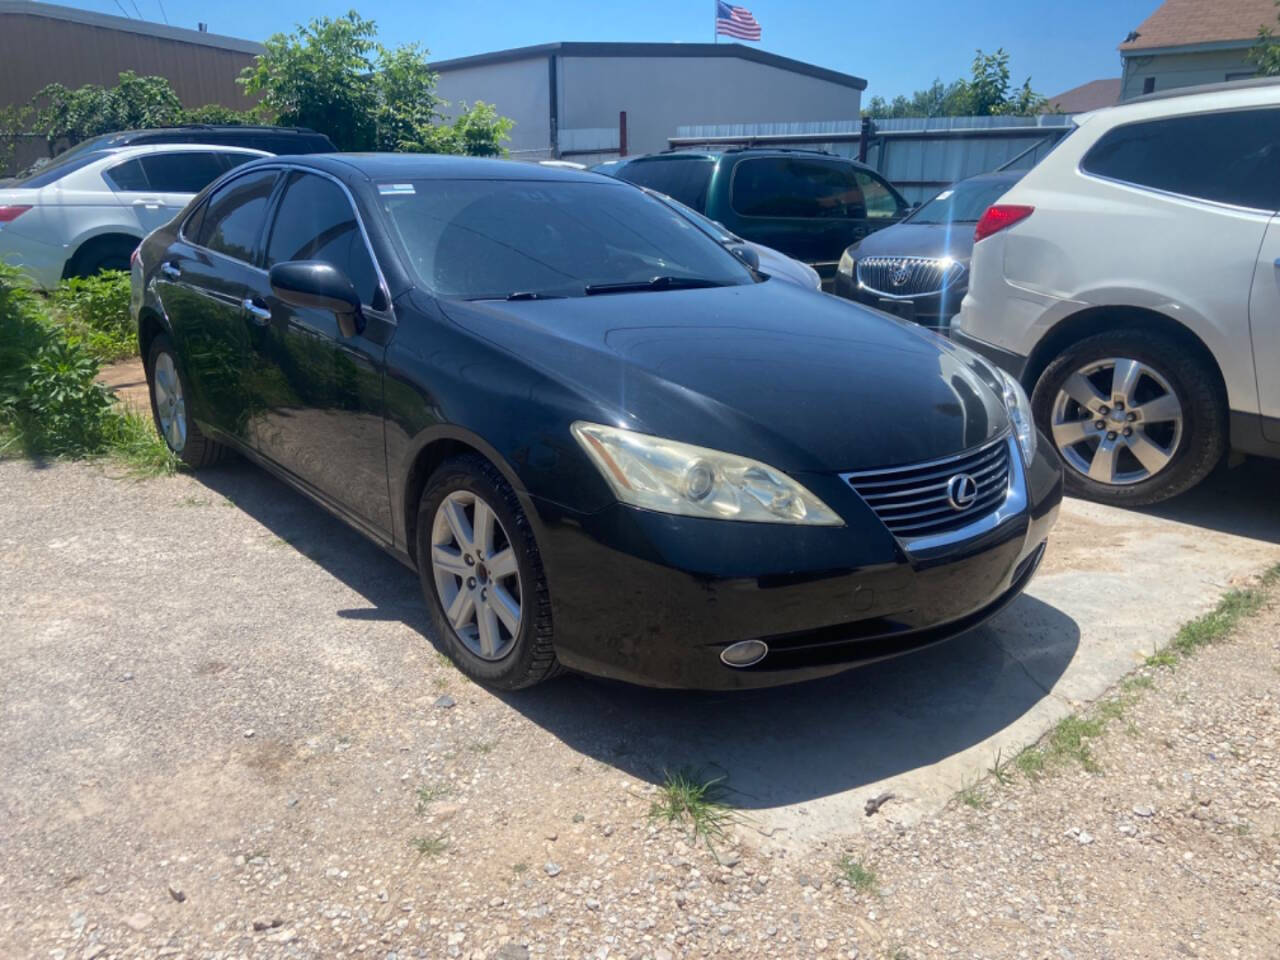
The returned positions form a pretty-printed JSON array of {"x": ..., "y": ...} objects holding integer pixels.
[
  {"x": 684, "y": 178},
  {"x": 181, "y": 172},
  {"x": 235, "y": 215},
  {"x": 1231, "y": 157},
  {"x": 796, "y": 188}
]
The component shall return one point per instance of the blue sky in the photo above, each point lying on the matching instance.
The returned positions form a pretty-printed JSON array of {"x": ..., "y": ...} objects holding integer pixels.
[{"x": 897, "y": 46}]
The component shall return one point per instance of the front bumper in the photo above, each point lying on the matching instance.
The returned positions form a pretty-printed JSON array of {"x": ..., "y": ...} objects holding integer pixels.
[
  {"x": 933, "y": 310},
  {"x": 654, "y": 599},
  {"x": 1012, "y": 363}
]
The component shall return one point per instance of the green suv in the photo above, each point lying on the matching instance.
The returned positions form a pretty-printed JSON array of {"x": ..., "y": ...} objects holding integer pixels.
[{"x": 804, "y": 203}]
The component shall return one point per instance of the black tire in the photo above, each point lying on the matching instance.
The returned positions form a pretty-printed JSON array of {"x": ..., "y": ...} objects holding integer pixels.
[
  {"x": 198, "y": 450},
  {"x": 1204, "y": 411},
  {"x": 109, "y": 253},
  {"x": 532, "y": 657}
]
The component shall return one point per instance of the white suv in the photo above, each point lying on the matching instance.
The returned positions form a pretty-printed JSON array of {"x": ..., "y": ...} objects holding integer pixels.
[{"x": 1132, "y": 281}]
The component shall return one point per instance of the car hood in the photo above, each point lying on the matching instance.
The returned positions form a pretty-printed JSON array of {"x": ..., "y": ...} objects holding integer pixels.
[
  {"x": 953, "y": 240},
  {"x": 779, "y": 265},
  {"x": 803, "y": 382}
]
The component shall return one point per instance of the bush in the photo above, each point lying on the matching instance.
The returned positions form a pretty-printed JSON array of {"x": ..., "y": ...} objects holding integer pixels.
[
  {"x": 94, "y": 311},
  {"x": 50, "y": 400}
]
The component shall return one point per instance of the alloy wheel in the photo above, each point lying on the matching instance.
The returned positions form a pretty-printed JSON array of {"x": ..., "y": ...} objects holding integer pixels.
[
  {"x": 171, "y": 406},
  {"x": 476, "y": 575},
  {"x": 1117, "y": 421}
]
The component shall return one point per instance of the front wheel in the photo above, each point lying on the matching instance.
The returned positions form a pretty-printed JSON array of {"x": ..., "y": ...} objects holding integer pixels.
[
  {"x": 482, "y": 576},
  {"x": 1134, "y": 415},
  {"x": 169, "y": 409}
]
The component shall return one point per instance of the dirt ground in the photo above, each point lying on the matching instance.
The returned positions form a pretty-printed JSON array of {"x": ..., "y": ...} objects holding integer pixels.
[{"x": 223, "y": 735}]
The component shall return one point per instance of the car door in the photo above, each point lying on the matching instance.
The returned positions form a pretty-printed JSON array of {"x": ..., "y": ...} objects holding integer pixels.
[
  {"x": 317, "y": 393},
  {"x": 203, "y": 284},
  {"x": 809, "y": 208},
  {"x": 1264, "y": 325}
]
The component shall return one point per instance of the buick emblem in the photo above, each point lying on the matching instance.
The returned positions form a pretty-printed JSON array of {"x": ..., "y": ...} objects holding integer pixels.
[
  {"x": 962, "y": 490},
  {"x": 901, "y": 274}
]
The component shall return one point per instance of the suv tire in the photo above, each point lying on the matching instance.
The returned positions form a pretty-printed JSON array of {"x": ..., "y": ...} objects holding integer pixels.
[{"x": 1158, "y": 375}]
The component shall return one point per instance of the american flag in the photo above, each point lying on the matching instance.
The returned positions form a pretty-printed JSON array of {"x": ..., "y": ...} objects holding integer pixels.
[{"x": 736, "y": 22}]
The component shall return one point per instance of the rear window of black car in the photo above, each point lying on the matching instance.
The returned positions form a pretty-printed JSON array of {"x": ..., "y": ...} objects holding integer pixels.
[
  {"x": 797, "y": 188},
  {"x": 684, "y": 178},
  {"x": 488, "y": 239},
  {"x": 1231, "y": 157}
]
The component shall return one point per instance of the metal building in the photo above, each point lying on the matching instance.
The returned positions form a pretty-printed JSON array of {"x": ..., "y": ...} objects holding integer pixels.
[{"x": 588, "y": 101}]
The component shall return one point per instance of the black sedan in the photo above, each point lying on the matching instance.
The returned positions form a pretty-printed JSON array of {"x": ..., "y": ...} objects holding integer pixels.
[
  {"x": 601, "y": 439},
  {"x": 919, "y": 268}
]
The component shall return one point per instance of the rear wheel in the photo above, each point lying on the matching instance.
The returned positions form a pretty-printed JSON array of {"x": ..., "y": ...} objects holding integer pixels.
[
  {"x": 482, "y": 576},
  {"x": 1135, "y": 416},
  {"x": 169, "y": 408},
  {"x": 106, "y": 253}
]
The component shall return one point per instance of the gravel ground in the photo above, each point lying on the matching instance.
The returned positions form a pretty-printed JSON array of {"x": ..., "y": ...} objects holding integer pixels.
[{"x": 223, "y": 735}]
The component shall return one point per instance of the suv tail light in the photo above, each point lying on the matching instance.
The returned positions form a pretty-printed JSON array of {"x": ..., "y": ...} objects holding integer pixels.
[
  {"x": 1000, "y": 216},
  {"x": 134, "y": 257},
  {"x": 12, "y": 211}
]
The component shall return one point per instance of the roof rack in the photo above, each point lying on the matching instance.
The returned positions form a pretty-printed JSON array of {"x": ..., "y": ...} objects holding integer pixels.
[{"x": 731, "y": 144}]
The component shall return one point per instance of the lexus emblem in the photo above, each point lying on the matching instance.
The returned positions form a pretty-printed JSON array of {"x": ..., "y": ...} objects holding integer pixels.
[
  {"x": 901, "y": 274},
  {"x": 962, "y": 490}
]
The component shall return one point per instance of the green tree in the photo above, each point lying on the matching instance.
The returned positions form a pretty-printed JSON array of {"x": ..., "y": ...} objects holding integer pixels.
[
  {"x": 333, "y": 76},
  {"x": 1265, "y": 53},
  {"x": 133, "y": 103},
  {"x": 984, "y": 93}
]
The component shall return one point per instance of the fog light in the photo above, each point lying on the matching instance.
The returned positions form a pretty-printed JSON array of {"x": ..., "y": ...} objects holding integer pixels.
[{"x": 744, "y": 653}]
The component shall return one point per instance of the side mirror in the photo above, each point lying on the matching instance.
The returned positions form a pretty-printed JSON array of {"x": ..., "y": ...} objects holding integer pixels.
[
  {"x": 320, "y": 286},
  {"x": 746, "y": 254}
]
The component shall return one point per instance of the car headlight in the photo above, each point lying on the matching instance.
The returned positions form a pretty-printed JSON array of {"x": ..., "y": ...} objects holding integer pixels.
[
  {"x": 672, "y": 477},
  {"x": 1019, "y": 407},
  {"x": 846, "y": 264}
]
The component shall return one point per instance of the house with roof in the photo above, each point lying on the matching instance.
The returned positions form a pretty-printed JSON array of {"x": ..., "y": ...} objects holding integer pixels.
[{"x": 1187, "y": 42}]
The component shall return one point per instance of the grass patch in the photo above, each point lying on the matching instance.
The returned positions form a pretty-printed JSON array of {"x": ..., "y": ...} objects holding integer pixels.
[
  {"x": 1000, "y": 771},
  {"x": 857, "y": 874},
  {"x": 1068, "y": 743},
  {"x": 429, "y": 795},
  {"x": 971, "y": 795},
  {"x": 94, "y": 312},
  {"x": 132, "y": 440},
  {"x": 687, "y": 799},
  {"x": 430, "y": 846}
]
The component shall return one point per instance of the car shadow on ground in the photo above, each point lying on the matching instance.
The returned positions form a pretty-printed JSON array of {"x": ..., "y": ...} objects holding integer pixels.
[
  {"x": 1238, "y": 500},
  {"x": 780, "y": 746}
]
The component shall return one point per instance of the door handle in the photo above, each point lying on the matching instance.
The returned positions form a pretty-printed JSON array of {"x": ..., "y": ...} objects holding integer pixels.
[
  {"x": 151, "y": 203},
  {"x": 171, "y": 270},
  {"x": 261, "y": 315}
]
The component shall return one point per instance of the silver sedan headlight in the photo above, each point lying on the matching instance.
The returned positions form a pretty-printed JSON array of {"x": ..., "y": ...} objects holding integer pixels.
[
  {"x": 1019, "y": 407},
  {"x": 673, "y": 477},
  {"x": 846, "y": 264}
]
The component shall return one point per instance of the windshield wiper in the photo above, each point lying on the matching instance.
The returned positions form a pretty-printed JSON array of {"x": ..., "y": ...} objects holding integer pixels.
[
  {"x": 533, "y": 295},
  {"x": 653, "y": 283}
]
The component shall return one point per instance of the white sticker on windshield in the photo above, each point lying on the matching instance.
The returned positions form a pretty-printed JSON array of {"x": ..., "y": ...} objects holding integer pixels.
[
  {"x": 945, "y": 194},
  {"x": 390, "y": 189}
]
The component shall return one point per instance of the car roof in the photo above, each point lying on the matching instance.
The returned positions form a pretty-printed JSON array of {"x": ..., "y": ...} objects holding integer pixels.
[
  {"x": 124, "y": 136},
  {"x": 1257, "y": 92},
  {"x": 716, "y": 153},
  {"x": 143, "y": 149},
  {"x": 425, "y": 166},
  {"x": 997, "y": 176}
]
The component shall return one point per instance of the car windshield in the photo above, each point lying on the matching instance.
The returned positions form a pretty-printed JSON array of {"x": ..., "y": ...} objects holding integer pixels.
[
  {"x": 58, "y": 167},
  {"x": 963, "y": 203},
  {"x": 497, "y": 239}
]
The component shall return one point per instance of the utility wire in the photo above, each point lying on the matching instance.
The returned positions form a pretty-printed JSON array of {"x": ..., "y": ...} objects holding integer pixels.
[
  {"x": 162, "y": 13},
  {"x": 123, "y": 10},
  {"x": 136, "y": 10}
]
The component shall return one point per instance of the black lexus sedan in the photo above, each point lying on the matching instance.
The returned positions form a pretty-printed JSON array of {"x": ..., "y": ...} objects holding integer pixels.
[
  {"x": 919, "y": 268},
  {"x": 604, "y": 442}
]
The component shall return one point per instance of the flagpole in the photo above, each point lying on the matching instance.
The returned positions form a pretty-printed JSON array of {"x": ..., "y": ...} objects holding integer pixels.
[{"x": 715, "y": 15}]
